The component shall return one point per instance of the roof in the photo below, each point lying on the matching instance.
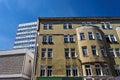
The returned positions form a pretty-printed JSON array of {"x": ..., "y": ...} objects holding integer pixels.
[
  {"x": 16, "y": 51},
  {"x": 79, "y": 18}
]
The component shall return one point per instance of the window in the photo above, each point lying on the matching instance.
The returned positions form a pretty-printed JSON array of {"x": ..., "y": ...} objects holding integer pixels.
[
  {"x": 71, "y": 38},
  {"x": 99, "y": 37},
  {"x": 50, "y": 39},
  {"x": 94, "y": 50},
  {"x": 84, "y": 23},
  {"x": 42, "y": 71},
  {"x": 84, "y": 51},
  {"x": 44, "y": 26},
  {"x": 107, "y": 38},
  {"x": 43, "y": 54},
  {"x": 91, "y": 36},
  {"x": 73, "y": 54},
  {"x": 88, "y": 70},
  {"x": 67, "y": 52},
  {"x": 111, "y": 51},
  {"x": 102, "y": 51},
  {"x": 82, "y": 36},
  {"x": 44, "y": 39},
  {"x": 68, "y": 71},
  {"x": 117, "y": 50},
  {"x": 49, "y": 53},
  {"x": 117, "y": 70},
  {"x": 64, "y": 26},
  {"x": 113, "y": 38},
  {"x": 108, "y": 25},
  {"x": 98, "y": 70},
  {"x": 75, "y": 71},
  {"x": 89, "y": 23},
  {"x": 65, "y": 38},
  {"x": 49, "y": 71},
  {"x": 70, "y": 26},
  {"x": 107, "y": 70},
  {"x": 50, "y": 26},
  {"x": 104, "y": 25}
]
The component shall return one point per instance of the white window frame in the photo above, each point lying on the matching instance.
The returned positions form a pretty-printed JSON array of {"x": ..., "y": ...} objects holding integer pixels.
[
  {"x": 96, "y": 68},
  {"x": 84, "y": 23},
  {"x": 107, "y": 70},
  {"x": 117, "y": 50},
  {"x": 98, "y": 34},
  {"x": 50, "y": 38},
  {"x": 111, "y": 52},
  {"x": 73, "y": 52},
  {"x": 43, "y": 69},
  {"x": 68, "y": 69},
  {"x": 50, "y": 52},
  {"x": 72, "y": 38},
  {"x": 76, "y": 69},
  {"x": 91, "y": 35},
  {"x": 44, "y": 38},
  {"x": 45, "y": 26},
  {"x": 84, "y": 51},
  {"x": 50, "y": 26},
  {"x": 102, "y": 50},
  {"x": 113, "y": 38},
  {"x": 43, "y": 52},
  {"x": 82, "y": 36},
  {"x": 89, "y": 70},
  {"x": 70, "y": 24},
  {"x": 108, "y": 25},
  {"x": 66, "y": 38},
  {"x": 93, "y": 48},
  {"x": 49, "y": 71},
  {"x": 65, "y": 26},
  {"x": 66, "y": 50},
  {"x": 89, "y": 23},
  {"x": 103, "y": 25}
]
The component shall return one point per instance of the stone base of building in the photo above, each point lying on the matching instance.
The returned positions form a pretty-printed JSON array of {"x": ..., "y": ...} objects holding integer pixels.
[{"x": 59, "y": 78}]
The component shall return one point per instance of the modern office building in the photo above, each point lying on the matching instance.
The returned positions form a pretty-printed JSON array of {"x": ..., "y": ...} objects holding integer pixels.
[
  {"x": 26, "y": 36},
  {"x": 16, "y": 64},
  {"x": 74, "y": 47}
]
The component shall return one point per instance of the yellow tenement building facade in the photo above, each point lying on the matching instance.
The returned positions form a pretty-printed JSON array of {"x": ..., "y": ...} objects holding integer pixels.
[{"x": 77, "y": 47}]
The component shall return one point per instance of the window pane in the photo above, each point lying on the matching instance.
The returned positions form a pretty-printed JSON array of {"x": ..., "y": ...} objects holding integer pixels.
[
  {"x": 65, "y": 38},
  {"x": 42, "y": 71},
  {"x": 70, "y": 26},
  {"x": 73, "y": 54},
  {"x": 49, "y": 71},
  {"x": 84, "y": 51},
  {"x": 64, "y": 26},
  {"x": 71, "y": 38},
  {"x": 82, "y": 36},
  {"x": 68, "y": 71},
  {"x": 103, "y": 52},
  {"x": 117, "y": 50},
  {"x": 49, "y": 53},
  {"x": 50, "y": 39},
  {"x": 44, "y": 39},
  {"x": 43, "y": 52},
  {"x": 94, "y": 50},
  {"x": 98, "y": 69},
  {"x": 111, "y": 52},
  {"x": 90, "y": 34},
  {"x": 75, "y": 71},
  {"x": 88, "y": 69},
  {"x": 44, "y": 26},
  {"x": 50, "y": 26},
  {"x": 66, "y": 52}
]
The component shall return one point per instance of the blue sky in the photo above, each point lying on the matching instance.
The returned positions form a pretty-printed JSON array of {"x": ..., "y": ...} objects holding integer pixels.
[{"x": 14, "y": 12}]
